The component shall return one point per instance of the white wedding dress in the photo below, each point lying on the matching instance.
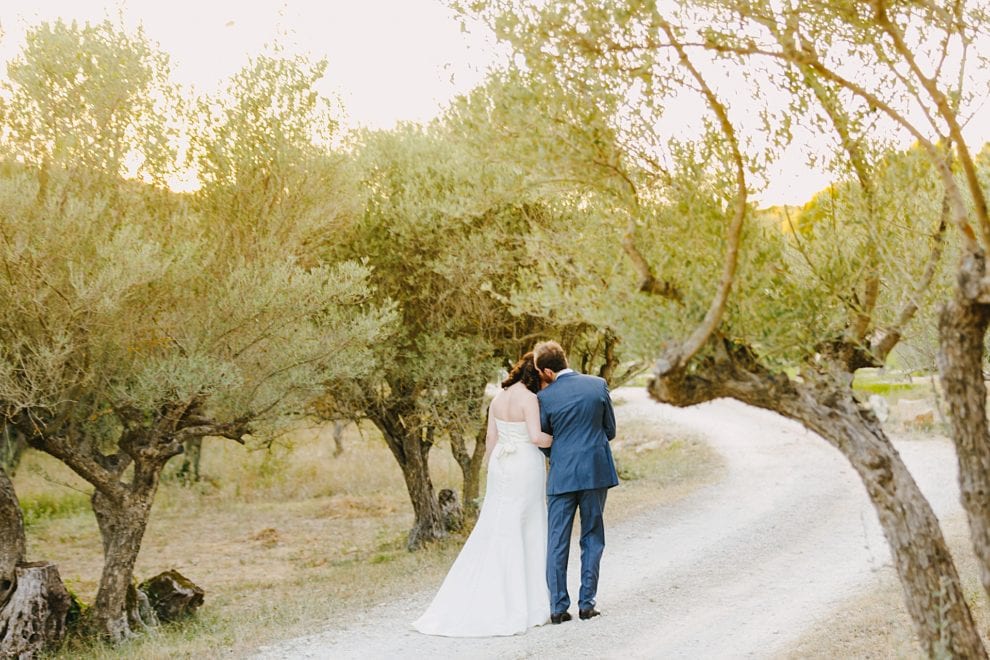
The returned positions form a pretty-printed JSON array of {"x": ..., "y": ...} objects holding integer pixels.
[{"x": 497, "y": 585}]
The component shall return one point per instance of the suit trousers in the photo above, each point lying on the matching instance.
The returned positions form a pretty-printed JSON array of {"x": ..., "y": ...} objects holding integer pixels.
[{"x": 560, "y": 521}]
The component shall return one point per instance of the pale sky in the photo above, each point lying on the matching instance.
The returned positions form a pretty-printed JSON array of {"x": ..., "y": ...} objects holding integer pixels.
[{"x": 389, "y": 60}]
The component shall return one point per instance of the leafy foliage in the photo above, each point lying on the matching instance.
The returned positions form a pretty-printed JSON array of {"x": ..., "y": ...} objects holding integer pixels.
[
  {"x": 134, "y": 320},
  {"x": 91, "y": 100},
  {"x": 584, "y": 108}
]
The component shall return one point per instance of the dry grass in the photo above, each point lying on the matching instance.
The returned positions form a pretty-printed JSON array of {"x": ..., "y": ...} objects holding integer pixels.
[{"x": 286, "y": 540}]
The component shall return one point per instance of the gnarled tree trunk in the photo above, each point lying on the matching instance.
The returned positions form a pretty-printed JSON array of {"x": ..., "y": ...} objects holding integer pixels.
[
  {"x": 122, "y": 525},
  {"x": 607, "y": 370},
  {"x": 122, "y": 505},
  {"x": 470, "y": 464},
  {"x": 11, "y": 537},
  {"x": 933, "y": 594},
  {"x": 962, "y": 332},
  {"x": 412, "y": 454}
]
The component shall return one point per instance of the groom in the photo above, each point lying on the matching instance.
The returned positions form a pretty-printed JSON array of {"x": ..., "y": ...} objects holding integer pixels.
[{"x": 577, "y": 411}]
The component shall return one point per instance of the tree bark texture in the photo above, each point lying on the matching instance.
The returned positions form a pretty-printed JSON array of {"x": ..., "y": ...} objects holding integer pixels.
[
  {"x": 140, "y": 614},
  {"x": 122, "y": 525},
  {"x": 11, "y": 537},
  {"x": 412, "y": 454},
  {"x": 933, "y": 594},
  {"x": 33, "y": 619},
  {"x": 450, "y": 510},
  {"x": 962, "y": 331},
  {"x": 611, "y": 362},
  {"x": 470, "y": 464},
  {"x": 12, "y": 446}
]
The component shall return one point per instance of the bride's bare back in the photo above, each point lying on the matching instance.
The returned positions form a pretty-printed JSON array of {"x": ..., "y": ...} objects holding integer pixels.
[
  {"x": 510, "y": 404},
  {"x": 518, "y": 404}
]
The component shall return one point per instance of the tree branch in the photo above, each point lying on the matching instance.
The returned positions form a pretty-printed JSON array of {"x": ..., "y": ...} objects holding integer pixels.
[
  {"x": 892, "y": 334},
  {"x": 948, "y": 114},
  {"x": 678, "y": 356}
]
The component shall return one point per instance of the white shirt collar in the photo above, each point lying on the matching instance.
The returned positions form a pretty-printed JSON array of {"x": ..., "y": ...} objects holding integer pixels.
[{"x": 565, "y": 371}]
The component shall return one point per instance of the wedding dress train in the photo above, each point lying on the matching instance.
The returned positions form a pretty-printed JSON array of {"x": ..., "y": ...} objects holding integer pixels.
[{"x": 497, "y": 585}]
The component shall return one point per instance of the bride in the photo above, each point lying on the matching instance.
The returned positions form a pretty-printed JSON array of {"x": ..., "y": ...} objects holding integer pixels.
[{"x": 497, "y": 585}]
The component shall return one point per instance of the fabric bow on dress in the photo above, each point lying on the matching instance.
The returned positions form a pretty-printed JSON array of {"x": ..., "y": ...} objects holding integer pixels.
[{"x": 504, "y": 449}]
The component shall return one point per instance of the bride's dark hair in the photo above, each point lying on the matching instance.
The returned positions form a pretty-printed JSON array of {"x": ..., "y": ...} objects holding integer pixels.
[{"x": 524, "y": 370}]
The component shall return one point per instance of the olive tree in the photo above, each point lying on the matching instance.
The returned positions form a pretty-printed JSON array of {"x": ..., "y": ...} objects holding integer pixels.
[
  {"x": 445, "y": 231},
  {"x": 744, "y": 305},
  {"x": 126, "y": 333},
  {"x": 262, "y": 148},
  {"x": 80, "y": 126}
]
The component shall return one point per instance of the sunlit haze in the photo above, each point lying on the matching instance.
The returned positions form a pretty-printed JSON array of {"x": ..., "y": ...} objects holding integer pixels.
[{"x": 389, "y": 60}]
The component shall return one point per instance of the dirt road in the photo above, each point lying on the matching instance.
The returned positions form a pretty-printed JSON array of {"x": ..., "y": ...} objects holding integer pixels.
[{"x": 740, "y": 568}]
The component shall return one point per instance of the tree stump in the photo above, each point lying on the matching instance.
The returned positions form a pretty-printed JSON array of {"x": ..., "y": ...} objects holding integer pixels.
[
  {"x": 34, "y": 617},
  {"x": 172, "y": 595},
  {"x": 450, "y": 510}
]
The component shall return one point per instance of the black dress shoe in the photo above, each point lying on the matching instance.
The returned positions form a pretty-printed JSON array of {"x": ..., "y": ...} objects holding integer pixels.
[
  {"x": 560, "y": 618},
  {"x": 588, "y": 614}
]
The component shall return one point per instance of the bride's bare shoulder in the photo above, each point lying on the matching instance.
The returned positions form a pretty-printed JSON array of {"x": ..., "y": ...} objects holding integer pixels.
[{"x": 522, "y": 391}]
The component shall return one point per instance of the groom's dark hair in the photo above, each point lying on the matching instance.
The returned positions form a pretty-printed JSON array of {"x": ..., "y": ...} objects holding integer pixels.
[{"x": 550, "y": 355}]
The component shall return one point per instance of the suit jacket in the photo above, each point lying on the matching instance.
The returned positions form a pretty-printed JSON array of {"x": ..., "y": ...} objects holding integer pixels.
[{"x": 577, "y": 411}]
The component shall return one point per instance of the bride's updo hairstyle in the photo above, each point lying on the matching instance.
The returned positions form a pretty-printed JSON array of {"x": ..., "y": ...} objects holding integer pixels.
[{"x": 524, "y": 370}]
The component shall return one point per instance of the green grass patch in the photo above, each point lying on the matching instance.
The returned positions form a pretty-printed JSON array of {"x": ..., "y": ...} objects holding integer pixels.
[
  {"x": 884, "y": 389},
  {"x": 887, "y": 383},
  {"x": 41, "y": 507}
]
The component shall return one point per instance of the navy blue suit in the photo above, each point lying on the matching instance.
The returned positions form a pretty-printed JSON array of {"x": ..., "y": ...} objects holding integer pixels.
[{"x": 577, "y": 411}]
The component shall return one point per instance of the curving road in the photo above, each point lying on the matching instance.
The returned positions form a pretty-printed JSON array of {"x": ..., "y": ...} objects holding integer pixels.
[{"x": 740, "y": 568}]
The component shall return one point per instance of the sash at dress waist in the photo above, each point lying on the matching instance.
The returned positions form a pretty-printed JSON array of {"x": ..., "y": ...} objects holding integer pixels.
[{"x": 511, "y": 435}]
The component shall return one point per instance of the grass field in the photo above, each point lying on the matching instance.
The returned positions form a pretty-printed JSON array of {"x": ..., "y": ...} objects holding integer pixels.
[
  {"x": 285, "y": 541},
  {"x": 893, "y": 385}
]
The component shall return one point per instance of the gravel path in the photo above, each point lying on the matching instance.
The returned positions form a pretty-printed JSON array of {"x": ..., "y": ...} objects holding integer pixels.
[{"x": 737, "y": 569}]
